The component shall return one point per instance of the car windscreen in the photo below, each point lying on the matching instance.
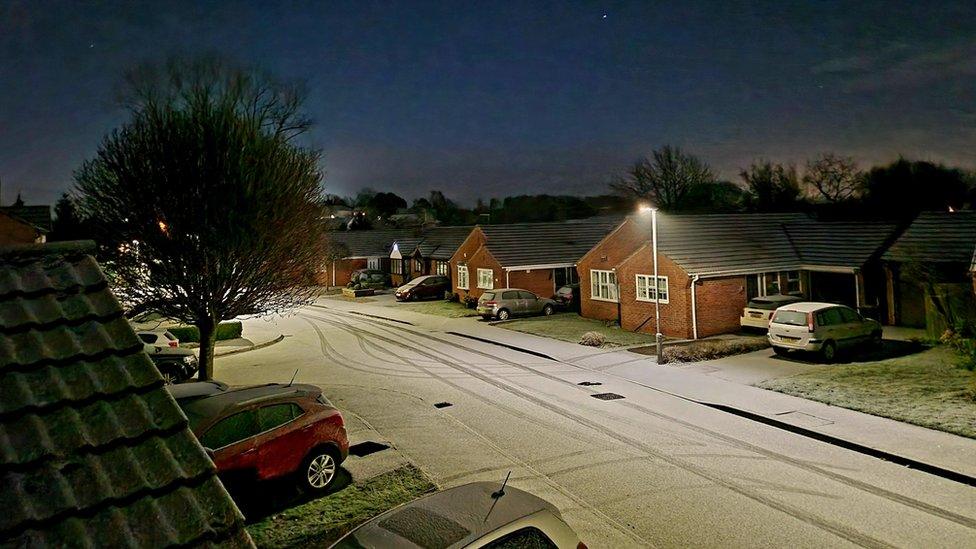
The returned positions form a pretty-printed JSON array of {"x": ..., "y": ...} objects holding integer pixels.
[{"x": 790, "y": 318}]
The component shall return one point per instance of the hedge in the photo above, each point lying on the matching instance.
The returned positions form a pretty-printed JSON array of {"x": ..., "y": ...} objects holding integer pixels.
[{"x": 191, "y": 334}]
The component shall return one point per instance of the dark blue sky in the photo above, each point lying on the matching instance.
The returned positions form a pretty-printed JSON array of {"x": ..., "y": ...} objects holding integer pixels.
[{"x": 486, "y": 99}]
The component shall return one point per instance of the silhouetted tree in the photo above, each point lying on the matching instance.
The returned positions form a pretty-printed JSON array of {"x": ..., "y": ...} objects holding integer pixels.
[
  {"x": 904, "y": 188},
  {"x": 206, "y": 208},
  {"x": 384, "y": 204},
  {"x": 834, "y": 178},
  {"x": 68, "y": 223},
  {"x": 772, "y": 187},
  {"x": 667, "y": 180}
]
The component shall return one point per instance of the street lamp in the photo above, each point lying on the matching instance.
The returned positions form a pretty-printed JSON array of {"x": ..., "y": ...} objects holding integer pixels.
[{"x": 658, "y": 337}]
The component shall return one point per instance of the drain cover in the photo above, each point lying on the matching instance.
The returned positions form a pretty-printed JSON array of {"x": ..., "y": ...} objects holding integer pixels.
[
  {"x": 589, "y": 383},
  {"x": 607, "y": 396},
  {"x": 366, "y": 448},
  {"x": 442, "y": 405}
]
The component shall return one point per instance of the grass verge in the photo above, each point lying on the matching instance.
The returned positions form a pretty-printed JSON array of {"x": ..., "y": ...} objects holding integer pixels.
[
  {"x": 449, "y": 309},
  {"x": 571, "y": 326},
  {"x": 927, "y": 389},
  {"x": 324, "y": 520}
]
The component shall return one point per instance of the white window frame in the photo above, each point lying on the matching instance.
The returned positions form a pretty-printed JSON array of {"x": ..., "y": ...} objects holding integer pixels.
[
  {"x": 396, "y": 267},
  {"x": 373, "y": 263},
  {"x": 442, "y": 268},
  {"x": 463, "y": 282},
  {"x": 418, "y": 266},
  {"x": 600, "y": 280},
  {"x": 486, "y": 279},
  {"x": 798, "y": 279},
  {"x": 646, "y": 290},
  {"x": 779, "y": 289}
]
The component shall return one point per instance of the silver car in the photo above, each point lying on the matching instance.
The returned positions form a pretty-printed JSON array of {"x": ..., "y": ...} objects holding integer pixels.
[
  {"x": 820, "y": 327},
  {"x": 507, "y": 302}
]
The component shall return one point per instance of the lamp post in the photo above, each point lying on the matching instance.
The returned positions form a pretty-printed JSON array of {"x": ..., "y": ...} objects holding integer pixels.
[{"x": 657, "y": 294}]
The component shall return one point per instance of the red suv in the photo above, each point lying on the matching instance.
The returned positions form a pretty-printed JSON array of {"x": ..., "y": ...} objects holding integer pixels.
[{"x": 267, "y": 431}]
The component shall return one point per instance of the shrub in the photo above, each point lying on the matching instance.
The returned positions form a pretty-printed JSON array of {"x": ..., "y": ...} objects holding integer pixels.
[
  {"x": 592, "y": 339},
  {"x": 470, "y": 301},
  {"x": 191, "y": 334},
  {"x": 709, "y": 350},
  {"x": 965, "y": 346}
]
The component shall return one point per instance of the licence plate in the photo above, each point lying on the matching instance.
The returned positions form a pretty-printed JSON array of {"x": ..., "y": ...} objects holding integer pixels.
[{"x": 755, "y": 315}]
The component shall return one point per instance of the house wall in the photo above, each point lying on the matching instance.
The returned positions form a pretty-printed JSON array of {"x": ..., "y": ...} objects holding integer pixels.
[
  {"x": 13, "y": 231},
  {"x": 481, "y": 259},
  {"x": 719, "y": 304},
  {"x": 343, "y": 271},
  {"x": 609, "y": 252},
  {"x": 401, "y": 278},
  {"x": 464, "y": 253},
  {"x": 537, "y": 281},
  {"x": 639, "y": 315}
]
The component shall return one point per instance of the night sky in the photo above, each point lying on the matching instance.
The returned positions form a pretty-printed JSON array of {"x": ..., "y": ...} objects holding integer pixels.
[{"x": 487, "y": 99}]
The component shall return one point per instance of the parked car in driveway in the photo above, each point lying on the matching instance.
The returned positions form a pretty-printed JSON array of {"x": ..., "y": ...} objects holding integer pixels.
[
  {"x": 175, "y": 364},
  {"x": 263, "y": 432},
  {"x": 157, "y": 338},
  {"x": 507, "y": 302},
  {"x": 568, "y": 297},
  {"x": 757, "y": 312},
  {"x": 424, "y": 287},
  {"x": 471, "y": 515},
  {"x": 369, "y": 278},
  {"x": 820, "y": 327}
]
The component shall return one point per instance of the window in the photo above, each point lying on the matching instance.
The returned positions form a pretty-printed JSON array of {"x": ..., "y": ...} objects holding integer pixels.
[
  {"x": 830, "y": 317},
  {"x": 442, "y": 268},
  {"x": 397, "y": 267},
  {"x": 849, "y": 315},
  {"x": 771, "y": 283},
  {"x": 603, "y": 285},
  {"x": 486, "y": 279},
  {"x": 275, "y": 415},
  {"x": 373, "y": 263},
  {"x": 418, "y": 265},
  {"x": 526, "y": 537},
  {"x": 230, "y": 430},
  {"x": 793, "y": 282},
  {"x": 148, "y": 338},
  {"x": 527, "y": 295},
  {"x": 646, "y": 291},
  {"x": 462, "y": 282},
  {"x": 510, "y": 295}
]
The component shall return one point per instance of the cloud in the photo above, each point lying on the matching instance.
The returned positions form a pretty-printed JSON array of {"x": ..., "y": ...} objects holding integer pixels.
[{"x": 896, "y": 68}]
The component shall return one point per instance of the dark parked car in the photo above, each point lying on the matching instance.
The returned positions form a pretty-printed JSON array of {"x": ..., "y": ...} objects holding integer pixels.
[
  {"x": 369, "y": 278},
  {"x": 268, "y": 431},
  {"x": 175, "y": 364},
  {"x": 424, "y": 287},
  {"x": 568, "y": 297}
]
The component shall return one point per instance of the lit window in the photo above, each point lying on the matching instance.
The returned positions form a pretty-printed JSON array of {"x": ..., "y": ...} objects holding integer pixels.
[
  {"x": 646, "y": 290},
  {"x": 486, "y": 279},
  {"x": 442, "y": 268},
  {"x": 603, "y": 285},
  {"x": 462, "y": 282},
  {"x": 397, "y": 266}
]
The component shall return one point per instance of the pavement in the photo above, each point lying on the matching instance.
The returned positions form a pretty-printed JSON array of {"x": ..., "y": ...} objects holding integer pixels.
[{"x": 653, "y": 468}]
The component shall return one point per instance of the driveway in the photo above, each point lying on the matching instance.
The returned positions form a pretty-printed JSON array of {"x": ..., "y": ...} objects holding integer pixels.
[{"x": 649, "y": 469}]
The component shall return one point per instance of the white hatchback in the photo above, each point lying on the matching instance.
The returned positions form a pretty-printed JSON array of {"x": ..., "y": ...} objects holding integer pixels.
[{"x": 820, "y": 327}]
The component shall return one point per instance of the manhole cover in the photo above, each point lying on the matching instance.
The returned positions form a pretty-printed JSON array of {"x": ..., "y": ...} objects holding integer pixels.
[
  {"x": 442, "y": 405},
  {"x": 607, "y": 396},
  {"x": 589, "y": 383},
  {"x": 366, "y": 448}
]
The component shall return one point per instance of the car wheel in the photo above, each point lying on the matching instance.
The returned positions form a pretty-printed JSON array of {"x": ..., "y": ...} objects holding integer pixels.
[
  {"x": 503, "y": 314},
  {"x": 781, "y": 351},
  {"x": 876, "y": 339},
  {"x": 169, "y": 377},
  {"x": 829, "y": 351},
  {"x": 319, "y": 470},
  {"x": 547, "y": 310}
]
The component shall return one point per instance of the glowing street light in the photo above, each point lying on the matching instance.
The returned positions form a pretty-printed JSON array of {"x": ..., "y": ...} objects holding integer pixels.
[{"x": 658, "y": 337}]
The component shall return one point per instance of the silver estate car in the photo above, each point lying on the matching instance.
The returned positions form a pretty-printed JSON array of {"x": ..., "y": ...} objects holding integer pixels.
[
  {"x": 508, "y": 302},
  {"x": 820, "y": 327}
]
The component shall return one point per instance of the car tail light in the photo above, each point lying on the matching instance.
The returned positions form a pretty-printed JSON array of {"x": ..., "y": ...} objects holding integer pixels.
[
  {"x": 490, "y": 303},
  {"x": 810, "y": 322},
  {"x": 174, "y": 343},
  {"x": 581, "y": 545}
]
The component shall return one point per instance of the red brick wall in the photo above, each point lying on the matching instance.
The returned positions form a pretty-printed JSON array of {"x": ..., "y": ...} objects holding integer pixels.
[
  {"x": 343, "y": 270},
  {"x": 613, "y": 249},
  {"x": 482, "y": 259},
  {"x": 13, "y": 231},
  {"x": 537, "y": 281},
  {"x": 464, "y": 253},
  {"x": 720, "y": 302},
  {"x": 675, "y": 314}
]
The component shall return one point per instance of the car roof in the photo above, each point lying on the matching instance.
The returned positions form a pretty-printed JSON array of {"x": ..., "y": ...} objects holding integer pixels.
[
  {"x": 509, "y": 290},
  {"x": 809, "y": 306},
  {"x": 450, "y": 518},
  {"x": 211, "y": 399}
]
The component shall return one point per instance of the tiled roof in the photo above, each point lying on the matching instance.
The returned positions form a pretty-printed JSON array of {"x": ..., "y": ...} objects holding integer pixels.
[
  {"x": 937, "y": 237},
  {"x": 38, "y": 216},
  {"x": 840, "y": 243},
  {"x": 442, "y": 242},
  {"x": 556, "y": 243},
  {"x": 93, "y": 450},
  {"x": 369, "y": 243}
]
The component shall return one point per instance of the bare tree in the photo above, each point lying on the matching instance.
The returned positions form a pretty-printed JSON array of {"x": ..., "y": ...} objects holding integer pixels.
[
  {"x": 668, "y": 179},
  {"x": 834, "y": 178},
  {"x": 205, "y": 207}
]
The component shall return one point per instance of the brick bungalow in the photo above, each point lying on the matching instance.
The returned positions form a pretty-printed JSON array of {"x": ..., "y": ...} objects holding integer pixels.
[
  {"x": 711, "y": 265},
  {"x": 352, "y": 250},
  {"x": 432, "y": 253},
  {"x": 937, "y": 245},
  {"x": 539, "y": 257}
]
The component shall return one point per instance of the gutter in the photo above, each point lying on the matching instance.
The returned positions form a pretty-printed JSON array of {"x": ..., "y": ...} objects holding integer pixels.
[
  {"x": 536, "y": 267},
  {"x": 694, "y": 308}
]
